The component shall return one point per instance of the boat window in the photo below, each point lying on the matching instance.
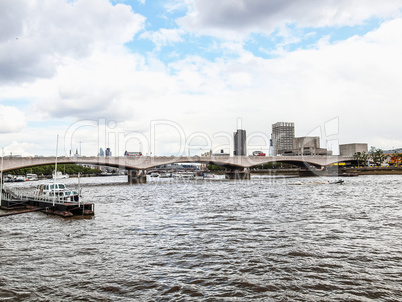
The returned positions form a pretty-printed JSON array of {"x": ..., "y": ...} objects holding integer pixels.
[
  {"x": 51, "y": 187},
  {"x": 61, "y": 186},
  {"x": 46, "y": 187}
]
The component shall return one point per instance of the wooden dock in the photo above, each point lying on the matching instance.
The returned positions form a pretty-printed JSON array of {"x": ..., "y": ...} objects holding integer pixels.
[{"x": 21, "y": 212}]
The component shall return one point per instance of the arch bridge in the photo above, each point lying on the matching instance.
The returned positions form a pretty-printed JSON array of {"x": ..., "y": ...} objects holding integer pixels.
[{"x": 139, "y": 164}]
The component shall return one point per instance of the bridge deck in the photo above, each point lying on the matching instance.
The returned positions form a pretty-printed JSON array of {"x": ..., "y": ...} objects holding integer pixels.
[{"x": 147, "y": 162}]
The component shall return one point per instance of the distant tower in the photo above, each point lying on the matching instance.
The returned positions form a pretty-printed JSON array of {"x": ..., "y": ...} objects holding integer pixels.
[
  {"x": 282, "y": 137},
  {"x": 108, "y": 152},
  {"x": 271, "y": 151},
  {"x": 240, "y": 148},
  {"x": 101, "y": 152}
]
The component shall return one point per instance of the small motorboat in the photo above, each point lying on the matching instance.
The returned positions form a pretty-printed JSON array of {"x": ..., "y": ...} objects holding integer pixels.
[
  {"x": 339, "y": 181},
  {"x": 31, "y": 177}
]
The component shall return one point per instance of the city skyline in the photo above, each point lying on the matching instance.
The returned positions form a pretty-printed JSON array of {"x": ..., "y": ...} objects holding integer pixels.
[
  {"x": 281, "y": 142},
  {"x": 191, "y": 68}
]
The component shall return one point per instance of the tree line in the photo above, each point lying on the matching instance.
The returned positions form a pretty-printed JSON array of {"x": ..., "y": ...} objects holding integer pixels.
[
  {"x": 47, "y": 170},
  {"x": 377, "y": 156}
]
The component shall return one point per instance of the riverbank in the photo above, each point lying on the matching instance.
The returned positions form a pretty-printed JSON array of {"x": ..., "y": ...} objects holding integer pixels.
[
  {"x": 374, "y": 171},
  {"x": 359, "y": 171}
]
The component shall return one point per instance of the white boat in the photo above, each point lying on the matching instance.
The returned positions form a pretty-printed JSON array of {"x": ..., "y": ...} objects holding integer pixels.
[
  {"x": 56, "y": 189},
  {"x": 184, "y": 175},
  {"x": 31, "y": 177},
  {"x": 106, "y": 173},
  {"x": 59, "y": 175},
  {"x": 155, "y": 174},
  {"x": 9, "y": 178},
  {"x": 166, "y": 175},
  {"x": 19, "y": 178}
]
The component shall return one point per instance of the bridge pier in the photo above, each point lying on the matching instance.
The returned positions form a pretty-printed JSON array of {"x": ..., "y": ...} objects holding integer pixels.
[
  {"x": 238, "y": 174},
  {"x": 137, "y": 177}
]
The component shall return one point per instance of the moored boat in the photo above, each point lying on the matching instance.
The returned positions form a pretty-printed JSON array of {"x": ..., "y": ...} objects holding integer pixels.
[
  {"x": 106, "y": 173},
  {"x": 184, "y": 175},
  {"x": 50, "y": 198},
  {"x": 349, "y": 174},
  {"x": 166, "y": 175},
  {"x": 19, "y": 178},
  {"x": 58, "y": 191},
  {"x": 31, "y": 177},
  {"x": 59, "y": 175}
]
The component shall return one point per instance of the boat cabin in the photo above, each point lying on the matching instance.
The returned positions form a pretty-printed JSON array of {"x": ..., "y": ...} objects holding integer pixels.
[
  {"x": 56, "y": 189},
  {"x": 31, "y": 176}
]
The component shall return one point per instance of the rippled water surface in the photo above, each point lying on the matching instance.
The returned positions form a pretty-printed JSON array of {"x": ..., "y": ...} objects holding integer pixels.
[{"x": 263, "y": 239}]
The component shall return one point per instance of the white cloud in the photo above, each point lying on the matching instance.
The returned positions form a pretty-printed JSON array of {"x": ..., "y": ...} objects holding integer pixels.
[
  {"x": 41, "y": 33},
  {"x": 164, "y": 37},
  {"x": 234, "y": 18},
  {"x": 23, "y": 149},
  {"x": 11, "y": 119},
  {"x": 113, "y": 85},
  {"x": 356, "y": 79}
]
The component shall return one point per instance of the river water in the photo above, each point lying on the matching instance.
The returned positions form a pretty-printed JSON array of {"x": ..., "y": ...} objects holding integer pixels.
[{"x": 282, "y": 239}]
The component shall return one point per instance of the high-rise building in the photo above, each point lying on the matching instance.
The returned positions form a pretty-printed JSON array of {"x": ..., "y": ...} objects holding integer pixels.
[
  {"x": 282, "y": 136},
  {"x": 108, "y": 152},
  {"x": 101, "y": 152},
  {"x": 240, "y": 148}
]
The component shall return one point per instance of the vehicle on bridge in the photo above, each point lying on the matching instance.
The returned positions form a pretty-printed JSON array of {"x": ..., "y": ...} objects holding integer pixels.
[
  {"x": 258, "y": 153},
  {"x": 132, "y": 153}
]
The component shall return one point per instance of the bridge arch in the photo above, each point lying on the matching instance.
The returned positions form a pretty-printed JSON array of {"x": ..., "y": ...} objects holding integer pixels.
[{"x": 144, "y": 163}]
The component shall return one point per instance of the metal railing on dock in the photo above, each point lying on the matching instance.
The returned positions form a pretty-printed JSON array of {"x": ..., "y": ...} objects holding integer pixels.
[{"x": 18, "y": 196}]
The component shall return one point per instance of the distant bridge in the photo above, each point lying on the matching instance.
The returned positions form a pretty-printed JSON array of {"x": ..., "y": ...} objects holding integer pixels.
[{"x": 147, "y": 162}]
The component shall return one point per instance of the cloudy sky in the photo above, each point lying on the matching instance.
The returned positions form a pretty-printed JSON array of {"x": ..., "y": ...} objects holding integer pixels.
[{"x": 180, "y": 76}]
